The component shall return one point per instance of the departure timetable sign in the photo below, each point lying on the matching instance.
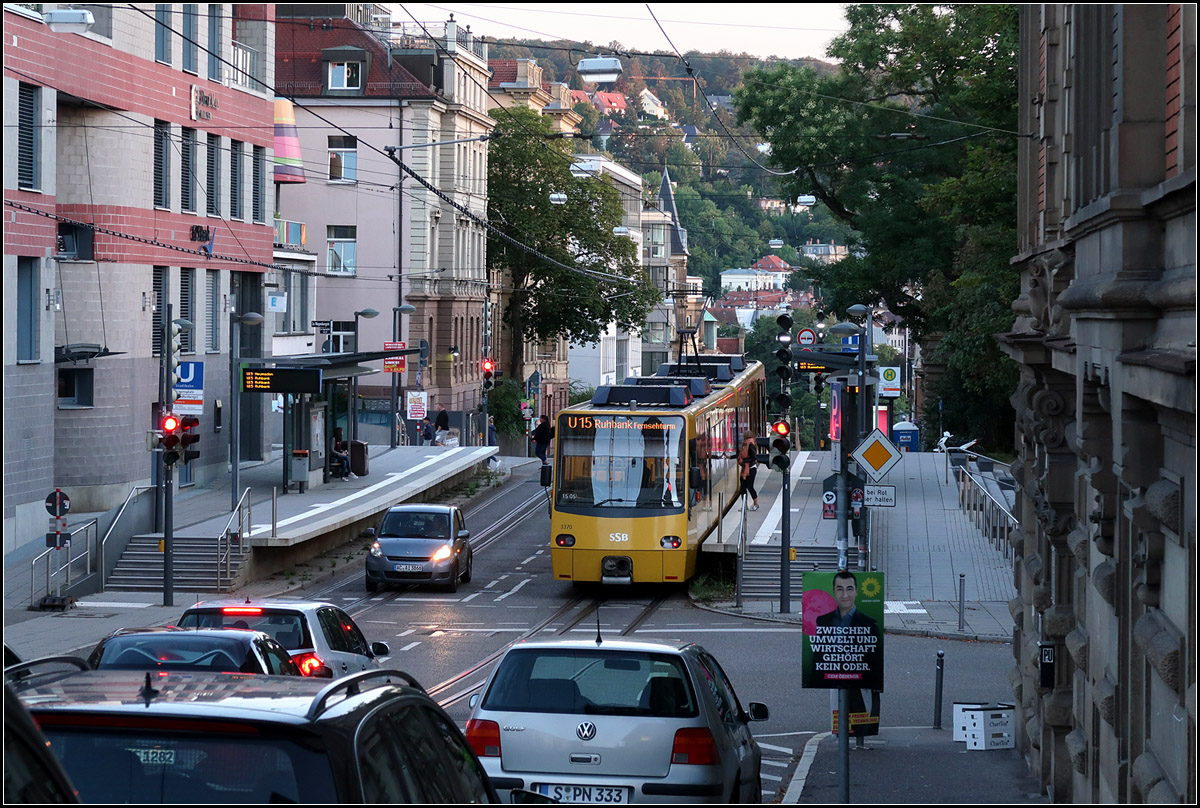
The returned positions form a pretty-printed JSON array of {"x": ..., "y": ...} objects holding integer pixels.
[{"x": 281, "y": 380}]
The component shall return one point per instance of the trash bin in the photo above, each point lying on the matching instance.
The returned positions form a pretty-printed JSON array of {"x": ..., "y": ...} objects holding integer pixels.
[
  {"x": 299, "y": 475},
  {"x": 358, "y": 457}
]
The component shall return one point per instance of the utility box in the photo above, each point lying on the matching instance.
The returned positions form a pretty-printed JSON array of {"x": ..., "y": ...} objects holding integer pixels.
[
  {"x": 358, "y": 458},
  {"x": 989, "y": 726}
]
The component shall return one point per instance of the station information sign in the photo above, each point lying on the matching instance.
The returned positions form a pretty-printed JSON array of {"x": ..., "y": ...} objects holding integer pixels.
[{"x": 281, "y": 380}]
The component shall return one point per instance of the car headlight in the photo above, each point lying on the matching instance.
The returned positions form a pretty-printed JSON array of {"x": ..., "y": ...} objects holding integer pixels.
[
  {"x": 376, "y": 550},
  {"x": 442, "y": 553}
]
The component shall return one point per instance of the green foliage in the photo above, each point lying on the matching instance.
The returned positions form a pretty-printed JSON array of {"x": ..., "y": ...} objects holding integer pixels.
[
  {"x": 932, "y": 217},
  {"x": 582, "y": 276},
  {"x": 504, "y": 405}
]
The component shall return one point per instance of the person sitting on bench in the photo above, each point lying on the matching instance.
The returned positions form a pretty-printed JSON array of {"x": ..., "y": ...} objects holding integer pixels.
[{"x": 339, "y": 460}]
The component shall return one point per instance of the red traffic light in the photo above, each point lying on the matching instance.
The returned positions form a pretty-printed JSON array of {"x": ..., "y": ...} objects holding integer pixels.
[
  {"x": 781, "y": 428},
  {"x": 488, "y": 366},
  {"x": 170, "y": 423}
]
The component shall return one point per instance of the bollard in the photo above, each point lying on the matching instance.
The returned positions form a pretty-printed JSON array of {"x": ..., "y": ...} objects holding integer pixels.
[
  {"x": 274, "y": 511},
  {"x": 962, "y": 587},
  {"x": 937, "y": 689}
]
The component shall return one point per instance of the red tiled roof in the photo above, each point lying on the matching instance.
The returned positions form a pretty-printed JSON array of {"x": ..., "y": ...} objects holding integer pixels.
[
  {"x": 578, "y": 96},
  {"x": 298, "y": 60},
  {"x": 608, "y": 100},
  {"x": 503, "y": 70},
  {"x": 772, "y": 263}
]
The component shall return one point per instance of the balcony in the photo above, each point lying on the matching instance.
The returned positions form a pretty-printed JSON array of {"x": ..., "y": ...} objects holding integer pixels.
[
  {"x": 245, "y": 68},
  {"x": 290, "y": 234}
]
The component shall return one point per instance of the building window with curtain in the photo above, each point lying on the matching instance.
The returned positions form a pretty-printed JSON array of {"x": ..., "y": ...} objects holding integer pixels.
[
  {"x": 342, "y": 255},
  {"x": 345, "y": 75},
  {"x": 343, "y": 158}
]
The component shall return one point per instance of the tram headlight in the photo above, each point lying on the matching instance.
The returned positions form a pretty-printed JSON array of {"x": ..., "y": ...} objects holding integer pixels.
[
  {"x": 671, "y": 542},
  {"x": 564, "y": 540}
]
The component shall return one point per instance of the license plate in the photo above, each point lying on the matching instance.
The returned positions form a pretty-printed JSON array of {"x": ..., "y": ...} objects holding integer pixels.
[
  {"x": 160, "y": 757},
  {"x": 582, "y": 794},
  {"x": 408, "y": 568}
]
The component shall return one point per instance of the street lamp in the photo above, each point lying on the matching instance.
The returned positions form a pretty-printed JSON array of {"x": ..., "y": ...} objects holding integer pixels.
[
  {"x": 405, "y": 308},
  {"x": 369, "y": 314},
  {"x": 236, "y": 321},
  {"x": 69, "y": 20}
]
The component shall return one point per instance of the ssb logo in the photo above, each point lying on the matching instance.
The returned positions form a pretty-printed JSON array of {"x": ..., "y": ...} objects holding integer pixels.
[{"x": 618, "y": 536}]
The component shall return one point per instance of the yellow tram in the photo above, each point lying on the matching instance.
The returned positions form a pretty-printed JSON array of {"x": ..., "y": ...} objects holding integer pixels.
[{"x": 645, "y": 471}]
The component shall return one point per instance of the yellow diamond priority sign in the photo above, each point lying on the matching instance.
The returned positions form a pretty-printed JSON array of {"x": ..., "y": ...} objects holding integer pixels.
[{"x": 876, "y": 455}]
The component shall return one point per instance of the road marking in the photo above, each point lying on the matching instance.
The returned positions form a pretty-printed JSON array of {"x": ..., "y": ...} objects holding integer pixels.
[
  {"x": 406, "y": 633},
  {"x": 766, "y": 776},
  {"x": 514, "y": 589},
  {"x": 796, "y": 787},
  {"x": 782, "y": 763},
  {"x": 531, "y": 558},
  {"x": 112, "y": 604},
  {"x": 470, "y": 596},
  {"x": 410, "y": 646},
  {"x": 774, "y": 748},
  {"x": 493, "y": 583},
  {"x": 903, "y": 607}
]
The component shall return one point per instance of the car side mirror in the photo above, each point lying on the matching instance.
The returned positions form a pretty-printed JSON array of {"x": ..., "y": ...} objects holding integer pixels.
[
  {"x": 546, "y": 478},
  {"x": 382, "y": 649},
  {"x": 464, "y": 534},
  {"x": 695, "y": 481},
  {"x": 369, "y": 533},
  {"x": 758, "y": 711},
  {"x": 471, "y": 702},
  {"x": 322, "y": 672}
]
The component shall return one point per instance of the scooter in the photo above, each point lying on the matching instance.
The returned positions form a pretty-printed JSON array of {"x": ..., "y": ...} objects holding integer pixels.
[{"x": 942, "y": 447}]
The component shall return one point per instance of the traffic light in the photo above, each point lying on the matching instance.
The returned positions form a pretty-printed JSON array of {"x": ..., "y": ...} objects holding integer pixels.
[
  {"x": 784, "y": 353},
  {"x": 818, "y": 383},
  {"x": 169, "y": 425},
  {"x": 188, "y": 438},
  {"x": 781, "y": 446},
  {"x": 783, "y": 402},
  {"x": 489, "y": 371},
  {"x": 174, "y": 359}
]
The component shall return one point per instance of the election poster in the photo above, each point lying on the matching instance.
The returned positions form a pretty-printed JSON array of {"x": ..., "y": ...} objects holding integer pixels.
[{"x": 842, "y": 615}]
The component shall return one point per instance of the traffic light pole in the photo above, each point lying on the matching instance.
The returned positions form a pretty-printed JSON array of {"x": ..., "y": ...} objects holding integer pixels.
[
  {"x": 168, "y": 536},
  {"x": 785, "y": 558}
]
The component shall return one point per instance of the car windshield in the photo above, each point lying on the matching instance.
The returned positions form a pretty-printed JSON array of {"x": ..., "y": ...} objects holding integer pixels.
[
  {"x": 189, "y": 765},
  {"x": 177, "y": 650},
  {"x": 592, "y": 681},
  {"x": 620, "y": 461},
  {"x": 286, "y": 627},
  {"x": 415, "y": 525}
]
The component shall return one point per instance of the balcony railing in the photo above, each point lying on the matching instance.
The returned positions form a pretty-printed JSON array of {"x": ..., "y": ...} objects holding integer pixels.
[
  {"x": 290, "y": 234},
  {"x": 245, "y": 68}
]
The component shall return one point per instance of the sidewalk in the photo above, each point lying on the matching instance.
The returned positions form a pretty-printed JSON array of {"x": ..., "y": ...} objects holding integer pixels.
[
  {"x": 396, "y": 475},
  {"x": 923, "y": 545}
]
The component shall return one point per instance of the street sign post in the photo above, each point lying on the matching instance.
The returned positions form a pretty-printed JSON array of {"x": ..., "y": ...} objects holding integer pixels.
[
  {"x": 189, "y": 389},
  {"x": 806, "y": 338},
  {"x": 876, "y": 455},
  {"x": 889, "y": 382}
]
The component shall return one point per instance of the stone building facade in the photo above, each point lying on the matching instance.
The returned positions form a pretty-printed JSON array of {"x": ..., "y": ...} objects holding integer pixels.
[{"x": 1106, "y": 418}]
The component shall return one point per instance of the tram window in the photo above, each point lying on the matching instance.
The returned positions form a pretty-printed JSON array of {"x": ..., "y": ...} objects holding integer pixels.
[{"x": 621, "y": 461}]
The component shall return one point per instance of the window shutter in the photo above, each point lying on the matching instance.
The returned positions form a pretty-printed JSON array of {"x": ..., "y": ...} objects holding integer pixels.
[
  {"x": 235, "y": 179},
  {"x": 187, "y": 182},
  {"x": 213, "y": 177},
  {"x": 27, "y": 151}
]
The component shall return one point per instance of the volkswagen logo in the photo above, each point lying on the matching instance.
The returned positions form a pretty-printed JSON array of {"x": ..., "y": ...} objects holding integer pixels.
[{"x": 586, "y": 731}]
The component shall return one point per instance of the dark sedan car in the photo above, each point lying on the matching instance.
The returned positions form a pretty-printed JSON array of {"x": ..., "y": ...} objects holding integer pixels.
[
  {"x": 168, "y": 648},
  {"x": 420, "y": 544}
]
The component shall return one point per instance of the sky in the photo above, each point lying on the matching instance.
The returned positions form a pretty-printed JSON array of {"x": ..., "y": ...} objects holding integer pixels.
[{"x": 788, "y": 30}]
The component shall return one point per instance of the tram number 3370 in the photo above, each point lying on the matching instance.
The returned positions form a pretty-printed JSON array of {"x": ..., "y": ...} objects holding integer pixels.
[{"x": 618, "y": 536}]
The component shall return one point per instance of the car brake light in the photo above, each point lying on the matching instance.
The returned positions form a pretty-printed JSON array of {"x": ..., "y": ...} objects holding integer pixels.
[
  {"x": 308, "y": 662},
  {"x": 695, "y": 746},
  {"x": 484, "y": 737},
  {"x": 241, "y": 610}
]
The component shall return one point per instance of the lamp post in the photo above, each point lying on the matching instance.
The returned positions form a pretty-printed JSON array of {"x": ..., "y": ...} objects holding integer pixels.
[
  {"x": 406, "y": 308},
  {"x": 235, "y": 393},
  {"x": 817, "y": 416},
  {"x": 369, "y": 314}
]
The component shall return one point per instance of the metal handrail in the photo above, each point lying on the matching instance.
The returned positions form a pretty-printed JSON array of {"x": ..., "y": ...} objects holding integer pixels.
[
  {"x": 87, "y": 554},
  {"x": 243, "y": 514},
  {"x": 133, "y": 492},
  {"x": 989, "y": 514}
]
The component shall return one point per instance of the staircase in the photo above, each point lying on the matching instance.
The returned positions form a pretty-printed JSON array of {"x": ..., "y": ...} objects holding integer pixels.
[
  {"x": 760, "y": 572},
  {"x": 140, "y": 567}
]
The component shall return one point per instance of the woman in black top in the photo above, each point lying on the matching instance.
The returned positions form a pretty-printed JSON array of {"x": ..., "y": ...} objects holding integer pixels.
[
  {"x": 542, "y": 435},
  {"x": 748, "y": 468}
]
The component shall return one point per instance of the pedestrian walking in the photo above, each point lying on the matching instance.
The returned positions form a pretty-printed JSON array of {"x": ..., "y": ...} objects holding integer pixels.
[
  {"x": 427, "y": 434},
  {"x": 442, "y": 426},
  {"x": 491, "y": 432},
  {"x": 748, "y": 468},
  {"x": 542, "y": 435}
]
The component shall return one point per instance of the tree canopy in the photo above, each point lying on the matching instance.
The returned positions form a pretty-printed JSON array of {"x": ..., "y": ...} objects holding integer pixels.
[
  {"x": 912, "y": 143},
  {"x": 582, "y": 276}
]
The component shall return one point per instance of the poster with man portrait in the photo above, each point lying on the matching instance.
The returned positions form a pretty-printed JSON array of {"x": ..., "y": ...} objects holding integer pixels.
[{"x": 843, "y": 630}]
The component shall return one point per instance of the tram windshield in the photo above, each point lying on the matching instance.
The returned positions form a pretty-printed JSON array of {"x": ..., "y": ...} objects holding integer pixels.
[{"x": 620, "y": 461}]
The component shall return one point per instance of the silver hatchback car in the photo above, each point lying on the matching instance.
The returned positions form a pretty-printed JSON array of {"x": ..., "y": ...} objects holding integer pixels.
[
  {"x": 420, "y": 544},
  {"x": 616, "y": 722}
]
